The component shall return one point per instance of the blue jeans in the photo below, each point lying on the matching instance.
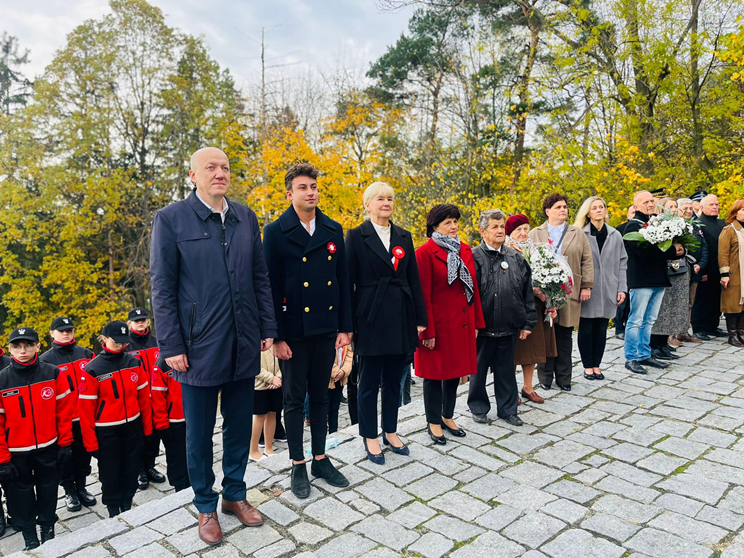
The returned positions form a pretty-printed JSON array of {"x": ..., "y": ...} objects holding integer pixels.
[
  {"x": 200, "y": 410},
  {"x": 644, "y": 309}
]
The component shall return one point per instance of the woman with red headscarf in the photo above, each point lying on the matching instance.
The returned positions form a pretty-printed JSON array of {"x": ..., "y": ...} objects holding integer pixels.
[{"x": 541, "y": 344}]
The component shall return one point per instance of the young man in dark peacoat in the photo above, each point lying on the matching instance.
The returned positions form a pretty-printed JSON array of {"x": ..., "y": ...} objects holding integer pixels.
[
  {"x": 309, "y": 277},
  {"x": 388, "y": 307}
]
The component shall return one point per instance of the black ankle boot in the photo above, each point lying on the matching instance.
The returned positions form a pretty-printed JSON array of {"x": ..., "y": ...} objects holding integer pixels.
[
  {"x": 733, "y": 333},
  {"x": 30, "y": 538},
  {"x": 47, "y": 533}
]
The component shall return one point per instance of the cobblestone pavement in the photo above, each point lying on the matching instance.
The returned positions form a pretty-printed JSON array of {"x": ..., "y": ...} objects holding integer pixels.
[{"x": 631, "y": 466}]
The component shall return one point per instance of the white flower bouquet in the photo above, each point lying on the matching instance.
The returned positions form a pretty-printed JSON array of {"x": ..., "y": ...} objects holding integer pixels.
[
  {"x": 552, "y": 275},
  {"x": 663, "y": 231}
]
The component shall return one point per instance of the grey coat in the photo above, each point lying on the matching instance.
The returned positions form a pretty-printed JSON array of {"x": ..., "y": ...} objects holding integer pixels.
[{"x": 610, "y": 275}]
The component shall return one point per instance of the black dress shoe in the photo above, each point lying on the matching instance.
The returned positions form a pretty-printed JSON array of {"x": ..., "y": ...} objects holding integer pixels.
[
  {"x": 564, "y": 388},
  {"x": 155, "y": 476},
  {"x": 514, "y": 420},
  {"x": 719, "y": 333},
  {"x": 86, "y": 498},
  {"x": 599, "y": 376},
  {"x": 72, "y": 502},
  {"x": 30, "y": 538},
  {"x": 400, "y": 450},
  {"x": 2, "y": 522},
  {"x": 457, "y": 432},
  {"x": 324, "y": 469},
  {"x": 589, "y": 376},
  {"x": 47, "y": 533},
  {"x": 658, "y": 354},
  {"x": 668, "y": 352},
  {"x": 299, "y": 481},
  {"x": 545, "y": 386},
  {"x": 441, "y": 440},
  {"x": 635, "y": 367},
  {"x": 378, "y": 458},
  {"x": 703, "y": 336},
  {"x": 113, "y": 511},
  {"x": 480, "y": 419},
  {"x": 143, "y": 483},
  {"x": 653, "y": 363}
]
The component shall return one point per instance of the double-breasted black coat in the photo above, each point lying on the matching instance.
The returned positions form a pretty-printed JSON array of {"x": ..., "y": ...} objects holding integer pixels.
[
  {"x": 387, "y": 303},
  {"x": 309, "y": 276},
  {"x": 210, "y": 291}
]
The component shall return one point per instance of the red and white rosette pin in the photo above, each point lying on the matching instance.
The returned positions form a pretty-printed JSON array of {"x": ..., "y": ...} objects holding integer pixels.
[
  {"x": 331, "y": 247},
  {"x": 398, "y": 254}
]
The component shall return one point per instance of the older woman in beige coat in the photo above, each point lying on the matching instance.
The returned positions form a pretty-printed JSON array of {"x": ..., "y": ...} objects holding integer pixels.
[{"x": 572, "y": 244}]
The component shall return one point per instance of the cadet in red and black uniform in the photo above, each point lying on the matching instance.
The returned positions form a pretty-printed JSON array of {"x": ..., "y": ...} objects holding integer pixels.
[
  {"x": 4, "y": 362},
  {"x": 144, "y": 346},
  {"x": 115, "y": 416},
  {"x": 167, "y": 414},
  {"x": 35, "y": 436},
  {"x": 71, "y": 360}
]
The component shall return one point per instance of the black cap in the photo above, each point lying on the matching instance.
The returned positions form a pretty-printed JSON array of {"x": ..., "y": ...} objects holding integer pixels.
[
  {"x": 138, "y": 313},
  {"x": 699, "y": 195},
  {"x": 116, "y": 330},
  {"x": 23, "y": 334},
  {"x": 62, "y": 324}
]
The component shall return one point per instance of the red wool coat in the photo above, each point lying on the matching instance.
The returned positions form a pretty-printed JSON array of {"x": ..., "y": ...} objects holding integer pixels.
[{"x": 452, "y": 321}]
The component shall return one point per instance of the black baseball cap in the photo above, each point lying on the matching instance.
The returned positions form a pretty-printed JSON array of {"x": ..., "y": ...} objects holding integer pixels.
[
  {"x": 23, "y": 334},
  {"x": 62, "y": 323},
  {"x": 138, "y": 313},
  {"x": 116, "y": 330}
]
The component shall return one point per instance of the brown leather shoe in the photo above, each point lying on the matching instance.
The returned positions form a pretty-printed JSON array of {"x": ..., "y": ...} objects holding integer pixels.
[
  {"x": 247, "y": 514},
  {"x": 688, "y": 338},
  {"x": 674, "y": 342},
  {"x": 533, "y": 397},
  {"x": 209, "y": 528}
]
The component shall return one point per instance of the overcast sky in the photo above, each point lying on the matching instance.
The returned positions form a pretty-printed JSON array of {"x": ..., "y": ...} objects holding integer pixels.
[{"x": 323, "y": 34}]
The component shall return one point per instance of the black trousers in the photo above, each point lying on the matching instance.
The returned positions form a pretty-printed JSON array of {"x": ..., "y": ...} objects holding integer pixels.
[
  {"x": 706, "y": 311},
  {"x": 334, "y": 404},
  {"x": 379, "y": 374},
  {"x": 352, "y": 391},
  {"x": 658, "y": 341},
  {"x": 439, "y": 399},
  {"x": 175, "y": 454},
  {"x": 307, "y": 372},
  {"x": 119, "y": 461},
  {"x": 73, "y": 474},
  {"x": 151, "y": 450},
  {"x": 496, "y": 353},
  {"x": 558, "y": 367},
  {"x": 32, "y": 497},
  {"x": 621, "y": 316},
  {"x": 592, "y": 341}
]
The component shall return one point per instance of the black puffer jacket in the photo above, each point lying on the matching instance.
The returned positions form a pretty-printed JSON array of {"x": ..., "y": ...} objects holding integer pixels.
[{"x": 505, "y": 291}]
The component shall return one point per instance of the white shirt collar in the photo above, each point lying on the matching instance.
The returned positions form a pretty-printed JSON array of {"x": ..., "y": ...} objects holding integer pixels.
[
  {"x": 491, "y": 248},
  {"x": 222, "y": 213}
]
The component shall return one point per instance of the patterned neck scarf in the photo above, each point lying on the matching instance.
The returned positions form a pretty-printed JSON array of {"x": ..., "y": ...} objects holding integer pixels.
[{"x": 455, "y": 266}]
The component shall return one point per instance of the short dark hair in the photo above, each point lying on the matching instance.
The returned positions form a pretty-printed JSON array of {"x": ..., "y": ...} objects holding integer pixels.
[
  {"x": 300, "y": 169},
  {"x": 439, "y": 213},
  {"x": 553, "y": 199}
]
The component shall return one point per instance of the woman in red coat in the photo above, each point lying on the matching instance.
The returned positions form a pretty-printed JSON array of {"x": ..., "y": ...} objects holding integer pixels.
[{"x": 454, "y": 314}]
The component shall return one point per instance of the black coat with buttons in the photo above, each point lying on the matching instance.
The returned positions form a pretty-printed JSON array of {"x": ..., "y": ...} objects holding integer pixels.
[
  {"x": 387, "y": 303},
  {"x": 309, "y": 276},
  {"x": 210, "y": 291}
]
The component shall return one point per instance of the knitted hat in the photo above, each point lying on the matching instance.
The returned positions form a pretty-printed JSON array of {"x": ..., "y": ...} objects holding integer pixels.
[{"x": 515, "y": 221}]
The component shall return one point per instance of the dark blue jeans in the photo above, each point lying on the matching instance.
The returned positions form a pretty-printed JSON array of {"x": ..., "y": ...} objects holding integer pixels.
[{"x": 200, "y": 410}]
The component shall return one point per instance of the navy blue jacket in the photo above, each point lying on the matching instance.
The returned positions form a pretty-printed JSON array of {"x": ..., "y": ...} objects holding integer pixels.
[
  {"x": 210, "y": 291},
  {"x": 309, "y": 276}
]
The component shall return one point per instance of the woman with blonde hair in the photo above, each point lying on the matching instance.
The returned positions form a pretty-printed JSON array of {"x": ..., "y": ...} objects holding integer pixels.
[
  {"x": 610, "y": 283},
  {"x": 389, "y": 313},
  {"x": 731, "y": 264}
]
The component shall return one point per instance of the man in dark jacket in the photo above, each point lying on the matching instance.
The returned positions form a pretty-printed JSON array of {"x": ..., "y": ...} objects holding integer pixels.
[
  {"x": 706, "y": 312},
  {"x": 647, "y": 279},
  {"x": 623, "y": 309},
  {"x": 306, "y": 256},
  {"x": 700, "y": 256},
  {"x": 505, "y": 285},
  {"x": 212, "y": 302}
]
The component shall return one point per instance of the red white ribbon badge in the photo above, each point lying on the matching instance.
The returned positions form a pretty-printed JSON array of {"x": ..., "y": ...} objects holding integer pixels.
[
  {"x": 332, "y": 248},
  {"x": 398, "y": 254}
]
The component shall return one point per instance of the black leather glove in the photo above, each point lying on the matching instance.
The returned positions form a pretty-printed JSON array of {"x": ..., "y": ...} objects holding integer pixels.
[
  {"x": 64, "y": 455},
  {"x": 94, "y": 453},
  {"x": 8, "y": 472}
]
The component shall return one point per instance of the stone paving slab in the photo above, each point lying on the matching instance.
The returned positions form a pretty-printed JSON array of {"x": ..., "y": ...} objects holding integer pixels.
[{"x": 640, "y": 467}]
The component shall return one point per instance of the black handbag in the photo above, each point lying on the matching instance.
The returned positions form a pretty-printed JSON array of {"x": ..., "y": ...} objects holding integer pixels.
[{"x": 676, "y": 267}]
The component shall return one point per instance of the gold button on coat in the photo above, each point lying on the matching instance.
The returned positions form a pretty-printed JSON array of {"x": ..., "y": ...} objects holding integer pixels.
[
  {"x": 304, "y": 259},
  {"x": 307, "y": 284},
  {"x": 329, "y": 283},
  {"x": 307, "y": 309},
  {"x": 330, "y": 308},
  {"x": 330, "y": 258}
]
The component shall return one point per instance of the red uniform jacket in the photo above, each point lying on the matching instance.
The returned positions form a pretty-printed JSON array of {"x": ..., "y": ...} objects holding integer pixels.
[
  {"x": 113, "y": 390},
  {"x": 34, "y": 408},
  {"x": 165, "y": 394},
  {"x": 71, "y": 361},
  {"x": 452, "y": 321}
]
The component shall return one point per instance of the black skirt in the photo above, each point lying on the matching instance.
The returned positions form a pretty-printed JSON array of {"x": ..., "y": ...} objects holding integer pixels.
[{"x": 267, "y": 401}]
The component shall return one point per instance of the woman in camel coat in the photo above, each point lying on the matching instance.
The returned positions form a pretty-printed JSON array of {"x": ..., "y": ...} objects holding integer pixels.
[{"x": 731, "y": 264}]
